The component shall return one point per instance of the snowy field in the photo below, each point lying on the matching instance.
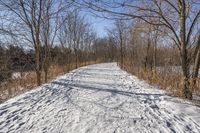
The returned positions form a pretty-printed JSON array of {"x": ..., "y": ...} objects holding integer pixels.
[{"x": 98, "y": 99}]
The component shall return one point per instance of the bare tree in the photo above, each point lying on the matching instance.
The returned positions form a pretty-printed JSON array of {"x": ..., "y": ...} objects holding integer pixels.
[
  {"x": 180, "y": 17},
  {"x": 49, "y": 29},
  {"x": 196, "y": 65},
  {"x": 34, "y": 21},
  {"x": 120, "y": 32}
]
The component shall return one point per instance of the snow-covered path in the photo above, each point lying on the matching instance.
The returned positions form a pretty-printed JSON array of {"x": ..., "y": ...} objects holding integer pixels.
[{"x": 98, "y": 99}]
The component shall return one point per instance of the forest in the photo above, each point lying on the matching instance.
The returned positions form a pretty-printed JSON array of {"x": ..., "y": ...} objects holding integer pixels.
[
  {"x": 99, "y": 66},
  {"x": 156, "y": 40}
]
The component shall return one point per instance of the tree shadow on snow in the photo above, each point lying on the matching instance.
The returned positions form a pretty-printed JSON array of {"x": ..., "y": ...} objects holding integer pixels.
[{"x": 110, "y": 88}]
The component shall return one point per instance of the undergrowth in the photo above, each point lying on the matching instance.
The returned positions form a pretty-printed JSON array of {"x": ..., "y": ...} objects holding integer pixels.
[
  {"x": 27, "y": 82},
  {"x": 165, "y": 79}
]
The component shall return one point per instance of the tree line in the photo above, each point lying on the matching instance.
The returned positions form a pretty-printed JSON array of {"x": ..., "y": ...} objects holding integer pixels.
[
  {"x": 147, "y": 35},
  {"x": 156, "y": 23},
  {"x": 45, "y": 26},
  {"x": 41, "y": 35}
]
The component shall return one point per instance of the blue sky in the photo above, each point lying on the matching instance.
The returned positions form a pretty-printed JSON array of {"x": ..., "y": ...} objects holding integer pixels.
[{"x": 99, "y": 24}]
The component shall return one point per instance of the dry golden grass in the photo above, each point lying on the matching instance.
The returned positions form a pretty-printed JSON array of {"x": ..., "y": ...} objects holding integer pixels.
[
  {"x": 16, "y": 86},
  {"x": 169, "y": 81}
]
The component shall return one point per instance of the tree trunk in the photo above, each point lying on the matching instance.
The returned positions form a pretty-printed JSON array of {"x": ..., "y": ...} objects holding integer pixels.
[
  {"x": 38, "y": 76},
  {"x": 185, "y": 69},
  {"x": 76, "y": 57},
  {"x": 46, "y": 64},
  {"x": 121, "y": 55},
  {"x": 38, "y": 67},
  {"x": 155, "y": 52},
  {"x": 147, "y": 54},
  {"x": 45, "y": 74},
  {"x": 196, "y": 63},
  {"x": 184, "y": 55}
]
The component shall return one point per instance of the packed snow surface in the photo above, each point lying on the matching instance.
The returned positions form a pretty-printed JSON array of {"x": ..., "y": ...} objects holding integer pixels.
[{"x": 99, "y": 98}]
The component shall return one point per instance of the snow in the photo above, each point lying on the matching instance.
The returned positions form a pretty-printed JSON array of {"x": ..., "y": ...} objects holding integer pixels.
[
  {"x": 18, "y": 75},
  {"x": 99, "y": 98}
]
